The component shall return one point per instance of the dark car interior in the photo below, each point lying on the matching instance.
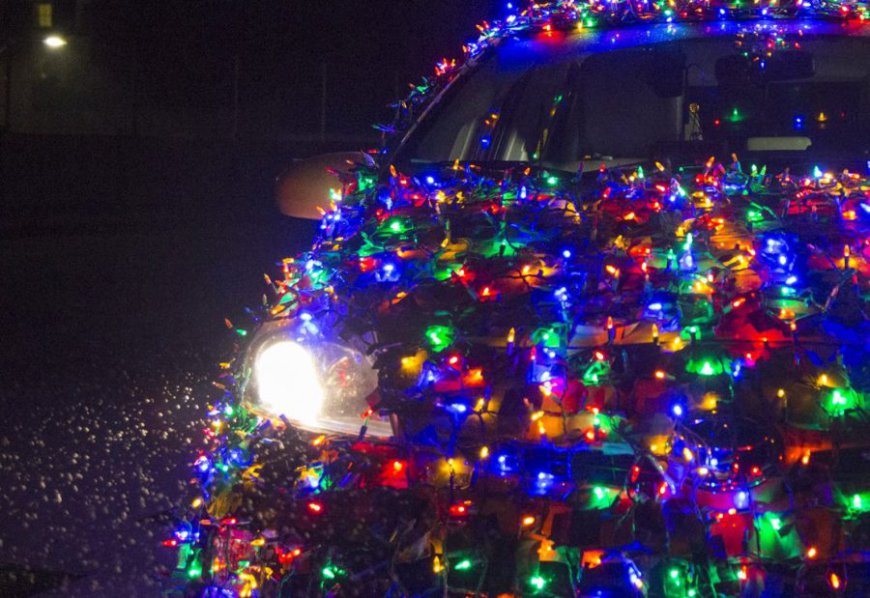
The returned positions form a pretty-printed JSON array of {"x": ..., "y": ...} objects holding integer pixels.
[{"x": 811, "y": 98}]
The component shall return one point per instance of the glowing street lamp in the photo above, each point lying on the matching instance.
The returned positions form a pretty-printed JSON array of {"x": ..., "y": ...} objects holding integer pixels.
[{"x": 54, "y": 42}]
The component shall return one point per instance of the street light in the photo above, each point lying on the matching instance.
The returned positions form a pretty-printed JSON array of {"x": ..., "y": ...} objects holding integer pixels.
[{"x": 54, "y": 41}]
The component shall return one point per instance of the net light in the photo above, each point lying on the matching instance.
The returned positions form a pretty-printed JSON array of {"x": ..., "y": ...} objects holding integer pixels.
[{"x": 287, "y": 374}]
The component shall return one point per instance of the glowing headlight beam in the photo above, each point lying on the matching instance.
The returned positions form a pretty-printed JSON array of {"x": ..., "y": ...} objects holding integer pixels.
[{"x": 288, "y": 383}]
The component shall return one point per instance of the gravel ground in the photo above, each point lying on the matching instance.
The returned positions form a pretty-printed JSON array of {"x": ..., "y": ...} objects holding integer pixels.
[{"x": 109, "y": 336}]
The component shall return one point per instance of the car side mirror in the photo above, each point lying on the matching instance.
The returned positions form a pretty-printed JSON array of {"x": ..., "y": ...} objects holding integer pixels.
[{"x": 302, "y": 190}]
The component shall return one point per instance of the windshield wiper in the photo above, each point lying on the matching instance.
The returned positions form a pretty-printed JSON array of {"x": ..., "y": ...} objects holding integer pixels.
[{"x": 498, "y": 165}]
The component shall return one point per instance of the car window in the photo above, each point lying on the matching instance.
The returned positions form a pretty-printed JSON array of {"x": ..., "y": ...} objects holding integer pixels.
[{"x": 561, "y": 108}]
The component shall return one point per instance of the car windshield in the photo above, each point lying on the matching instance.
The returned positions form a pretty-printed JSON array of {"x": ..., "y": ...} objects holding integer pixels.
[{"x": 560, "y": 102}]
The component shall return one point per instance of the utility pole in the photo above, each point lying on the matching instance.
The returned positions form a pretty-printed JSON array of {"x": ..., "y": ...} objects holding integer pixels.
[
  {"x": 323, "y": 98},
  {"x": 236, "y": 68},
  {"x": 6, "y": 54},
  {"x": 7, "y": 86},
  {"x": 136, "y": 86}
]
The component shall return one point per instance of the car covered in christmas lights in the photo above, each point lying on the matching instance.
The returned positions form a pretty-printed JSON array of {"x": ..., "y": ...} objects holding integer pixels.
[{"x": 603, "y": 291}]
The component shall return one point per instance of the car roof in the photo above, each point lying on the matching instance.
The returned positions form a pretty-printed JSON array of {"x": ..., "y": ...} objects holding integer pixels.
[{"x": 607, "y": 38}]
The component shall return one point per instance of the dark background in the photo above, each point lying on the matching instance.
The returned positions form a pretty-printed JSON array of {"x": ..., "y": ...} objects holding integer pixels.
[
  {"x": 136, "y": 214},
  {"x": 170, "y": 66},
  {"x": 213, "y": 97}
]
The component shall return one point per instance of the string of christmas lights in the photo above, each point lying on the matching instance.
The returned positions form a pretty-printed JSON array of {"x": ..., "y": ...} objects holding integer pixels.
[{"x": 606, "y": 377}]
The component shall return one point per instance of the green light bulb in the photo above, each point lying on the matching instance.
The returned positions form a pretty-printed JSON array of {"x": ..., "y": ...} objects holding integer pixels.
[
  {"x": 439, "y": 337},
  {"x": 538, "y": 582},
  {"x": 463, "y": 565},
  {"x": 396, "y": 226}
]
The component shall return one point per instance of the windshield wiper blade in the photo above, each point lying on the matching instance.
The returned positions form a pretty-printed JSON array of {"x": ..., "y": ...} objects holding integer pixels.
[{"x": 505, "y": 165}]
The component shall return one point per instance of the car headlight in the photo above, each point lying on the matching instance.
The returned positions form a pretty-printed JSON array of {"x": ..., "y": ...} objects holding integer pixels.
[
  {"x": 320, "y": 387},
  {"x": 288, "y": 383}
]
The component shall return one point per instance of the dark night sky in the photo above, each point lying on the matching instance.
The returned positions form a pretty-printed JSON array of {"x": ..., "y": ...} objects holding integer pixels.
[{"x": 178, "y": 55}]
